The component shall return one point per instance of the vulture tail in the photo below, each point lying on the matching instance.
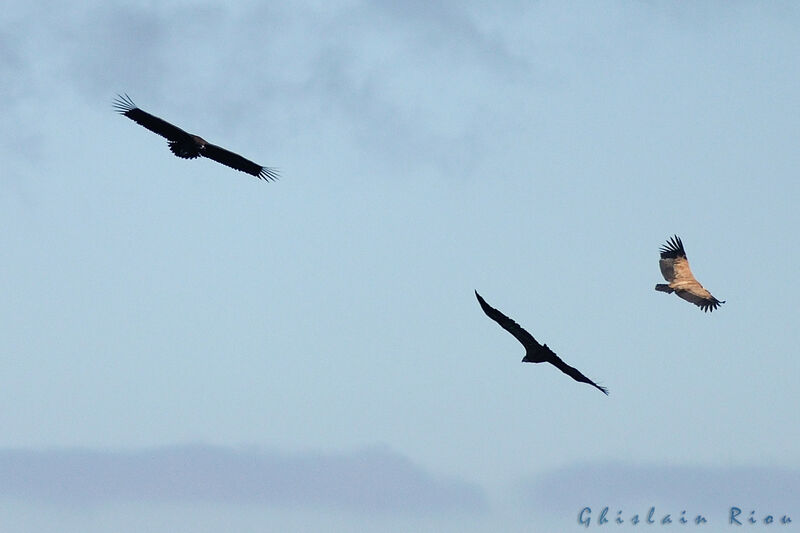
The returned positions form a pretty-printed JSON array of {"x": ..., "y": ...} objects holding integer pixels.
[{"x": 663, "y": 287}]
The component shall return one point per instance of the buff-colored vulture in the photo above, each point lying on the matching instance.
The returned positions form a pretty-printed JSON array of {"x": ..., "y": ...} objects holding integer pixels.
[{"x": 675, "y": 269}]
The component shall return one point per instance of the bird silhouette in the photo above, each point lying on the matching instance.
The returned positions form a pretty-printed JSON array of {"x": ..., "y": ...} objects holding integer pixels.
[
  {"x": 188, "y": 146},
  {"x": 534, "y": 352}
]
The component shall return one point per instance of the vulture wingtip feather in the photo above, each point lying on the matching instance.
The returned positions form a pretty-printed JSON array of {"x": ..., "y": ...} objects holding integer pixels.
[
  {"x": 123, "y": 103},
  {"x": 269, "y": 174}
]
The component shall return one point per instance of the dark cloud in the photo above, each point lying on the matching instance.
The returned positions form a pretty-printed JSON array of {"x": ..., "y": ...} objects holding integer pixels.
[
  {"x": 120, "y": 48},
  {"x": 633, "y": 488},
  {"x": 371, "y": 480},
  {"x": 449, "y": 26}
]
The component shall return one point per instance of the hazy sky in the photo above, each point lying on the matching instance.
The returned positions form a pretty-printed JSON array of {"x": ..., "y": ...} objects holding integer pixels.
[{"x": 187, "y": 348}]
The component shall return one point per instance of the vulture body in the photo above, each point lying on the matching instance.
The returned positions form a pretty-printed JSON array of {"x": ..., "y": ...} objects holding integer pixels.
[
  {"x": 534, "y": 352},
  {"x": 188, "y": 146},
  {"x": 675, "y": 269}
]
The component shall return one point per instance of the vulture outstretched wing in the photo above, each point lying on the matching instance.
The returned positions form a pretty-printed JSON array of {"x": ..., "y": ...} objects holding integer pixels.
[
  {"x": 124, "y": 105},
  {"x": 188, "y": 146},
  {"x": 534, "y": 352},
  {"x": 525, "y": 338},
  {"x": 675, "y": 269},
  {"x": 230, "y": 159},
  {"x": 572, "y": 372}
]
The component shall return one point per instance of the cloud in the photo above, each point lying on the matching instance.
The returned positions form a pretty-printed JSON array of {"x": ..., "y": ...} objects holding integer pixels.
[
  {"x": 117, "y": 48},
  {"x": 635, "y": 488},
  {"x": 370, "y": 480},
  {"x": 373, "y": 74}
]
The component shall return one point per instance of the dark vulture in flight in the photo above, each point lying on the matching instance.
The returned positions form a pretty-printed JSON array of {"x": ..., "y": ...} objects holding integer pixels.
[
  {"x": 675, "y": 269},
  {"x": 534, "y": 352},
  {"x": 190, "y": 146}
]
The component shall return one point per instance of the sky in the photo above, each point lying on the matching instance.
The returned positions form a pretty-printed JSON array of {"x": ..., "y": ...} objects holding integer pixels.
[{"x": 187, "y": 348}]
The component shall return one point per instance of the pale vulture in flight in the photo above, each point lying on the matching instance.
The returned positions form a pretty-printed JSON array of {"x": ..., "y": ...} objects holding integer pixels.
[{"x": 675, "y": 269}]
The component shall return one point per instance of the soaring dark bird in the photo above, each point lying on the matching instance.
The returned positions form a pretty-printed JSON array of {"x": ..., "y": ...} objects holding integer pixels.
[
  {"x": 190, "y": 146},
  {"x": 534, "y": 352},
  {"x": 675, "y": 269}
]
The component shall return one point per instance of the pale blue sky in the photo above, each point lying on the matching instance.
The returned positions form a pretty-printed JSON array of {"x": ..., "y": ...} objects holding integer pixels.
[{"x": 540, "y": 153}]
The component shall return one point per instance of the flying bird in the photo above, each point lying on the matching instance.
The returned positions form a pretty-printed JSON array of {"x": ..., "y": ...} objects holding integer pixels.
[
  {"x": 534, "y": 352},
  {"x": 675, "y": 269},
  {"x": 188, "y": 146}
]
